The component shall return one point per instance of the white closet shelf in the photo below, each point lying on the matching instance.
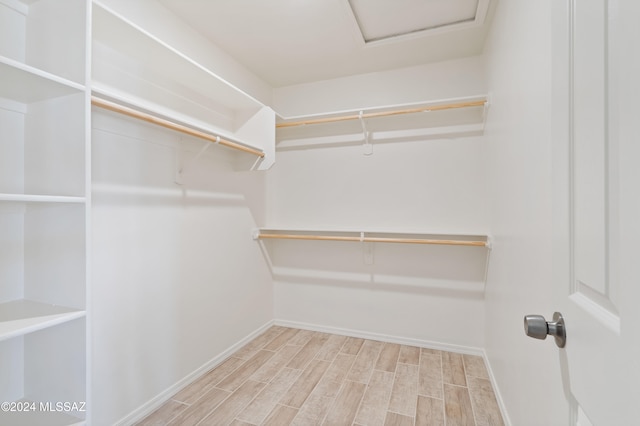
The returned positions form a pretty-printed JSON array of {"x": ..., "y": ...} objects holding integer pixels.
[
  {"x": 373, "y": 237},
  {"x": 30, "y": 198},
  {"x": 118, "y": 32},
  {"x": 30, "y": 84},
  {"x": 139, "y": 67},
  {"x": 446, "y": 118},
  {"x": 24, "y": 316},
  {"x": 387, "y": 111},
  {"x": 163, "y": 122}
]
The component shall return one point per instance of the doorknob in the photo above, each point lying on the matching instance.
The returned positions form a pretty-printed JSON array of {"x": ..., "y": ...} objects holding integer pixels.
[{"x": 537, "y": 327}]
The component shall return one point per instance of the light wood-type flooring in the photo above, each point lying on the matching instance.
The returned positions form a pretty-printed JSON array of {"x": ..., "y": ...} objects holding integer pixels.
[{"x": 289, "y": 376}]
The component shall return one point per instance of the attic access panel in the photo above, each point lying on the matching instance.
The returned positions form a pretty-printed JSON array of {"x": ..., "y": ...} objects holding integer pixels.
[{"x": 389, "y": 20}]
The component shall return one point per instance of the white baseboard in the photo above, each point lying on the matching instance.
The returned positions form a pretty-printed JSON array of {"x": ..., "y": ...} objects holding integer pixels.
[
  {"x": 469, "y": 350},
  {"x": 496, "y": 391},
  {"x": 155, "y": 403}
]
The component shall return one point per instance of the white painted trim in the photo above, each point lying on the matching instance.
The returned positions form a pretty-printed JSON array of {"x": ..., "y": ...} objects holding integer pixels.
[
  {"x": 496, "y": 390},
  {"x": 155, "y": 403},
  {"x": 477, "y": 20},
  {"x": 469, "y": 350}
]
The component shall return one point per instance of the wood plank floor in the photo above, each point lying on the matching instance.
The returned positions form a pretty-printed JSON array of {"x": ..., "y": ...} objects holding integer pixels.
[{"x": 288, "y": 376}]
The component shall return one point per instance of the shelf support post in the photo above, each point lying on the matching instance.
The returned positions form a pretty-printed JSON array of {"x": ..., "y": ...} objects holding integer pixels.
[
  {"x": 367, "y": 250},
  {"x": 368, "y": 147}
]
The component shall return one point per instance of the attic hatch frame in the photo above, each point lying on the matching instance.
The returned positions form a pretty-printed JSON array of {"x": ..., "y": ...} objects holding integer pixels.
[{"x": 480, "y": 15}]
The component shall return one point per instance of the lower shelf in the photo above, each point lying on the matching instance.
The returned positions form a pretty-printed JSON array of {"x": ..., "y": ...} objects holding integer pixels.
[
  {"x": 29, "y": 198},
  {"x": 23, "y": 316},
  {"x": 29, "y": 413},
  {"x": 373, "y": 237}
]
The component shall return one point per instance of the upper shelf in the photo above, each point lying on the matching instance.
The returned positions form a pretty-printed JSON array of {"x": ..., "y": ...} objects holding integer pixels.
[
  {"x": 416, "y": 121},
  {"x": 138, "y": 68}
]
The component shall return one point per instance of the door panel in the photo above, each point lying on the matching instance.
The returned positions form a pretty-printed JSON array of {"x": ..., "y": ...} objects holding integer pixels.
[
  {"x": 589, "y": 145},
  {"x": 597, "y": 206}
]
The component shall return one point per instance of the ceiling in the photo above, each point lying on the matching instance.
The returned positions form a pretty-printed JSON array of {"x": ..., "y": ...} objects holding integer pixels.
[{"x": 287, "y": 42}]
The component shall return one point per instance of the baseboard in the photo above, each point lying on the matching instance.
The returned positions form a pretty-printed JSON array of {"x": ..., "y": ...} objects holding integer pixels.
[
  {"x": 469, "y": 350},
  {"x": 155, "y": 403},
  {"x": 496, "y": 391}
]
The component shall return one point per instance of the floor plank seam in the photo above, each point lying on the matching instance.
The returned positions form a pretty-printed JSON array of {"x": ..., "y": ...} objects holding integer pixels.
[
  {"x": 429, "y": 396},
  {"x": 458, "y": 386},
  {"x": 288, "y": 406}
]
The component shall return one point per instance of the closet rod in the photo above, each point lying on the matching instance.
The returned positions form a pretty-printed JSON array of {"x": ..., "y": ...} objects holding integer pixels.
[
  {"x": 112, "y": 106},
  {"x": 370, "y": 239},
  {"x": 383, "y": 113}
]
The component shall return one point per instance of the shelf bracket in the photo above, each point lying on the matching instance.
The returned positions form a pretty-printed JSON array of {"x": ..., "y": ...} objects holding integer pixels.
[
  {"x": 367, "y": 250},
  {"x": 180, "y": 169},
  {"x": 368, "y": 146},
  {"x": 256, "y": 163},
  {"x": 489, "y": 243},
  {"x": 485, "y": 109}
]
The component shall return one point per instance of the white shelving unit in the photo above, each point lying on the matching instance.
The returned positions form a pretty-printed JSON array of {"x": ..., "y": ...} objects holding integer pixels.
[
  {"x": 447, "y": 118},
  {"x": 138, "y": 69},
  {"x": 44, "y": 122}
]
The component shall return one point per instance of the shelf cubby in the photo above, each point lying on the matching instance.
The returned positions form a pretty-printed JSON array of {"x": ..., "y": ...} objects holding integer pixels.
[
  {"x": 45, "y": 34},
  {"x": 42, "y": 130},
  {"x": 42, "y": 368},
  {"x": 42, "y": 265}
]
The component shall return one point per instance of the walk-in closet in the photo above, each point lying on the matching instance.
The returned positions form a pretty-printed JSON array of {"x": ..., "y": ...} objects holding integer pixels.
[{"x": 331, "y": 212}]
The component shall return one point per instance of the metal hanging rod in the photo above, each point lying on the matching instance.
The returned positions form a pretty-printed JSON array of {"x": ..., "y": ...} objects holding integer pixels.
[
  {"x": 364, "y": 239},
  {"x": 456, "y": 105},
  {"x": 112, "y": 106}
]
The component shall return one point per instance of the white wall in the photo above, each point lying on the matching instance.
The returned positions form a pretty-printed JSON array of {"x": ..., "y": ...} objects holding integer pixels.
[
  {"x": 177, "y": 279},
  {"x": 518, "y": 161},
  {"x": 432, "y": 294},
  {"x": 443, "y": 80}
]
